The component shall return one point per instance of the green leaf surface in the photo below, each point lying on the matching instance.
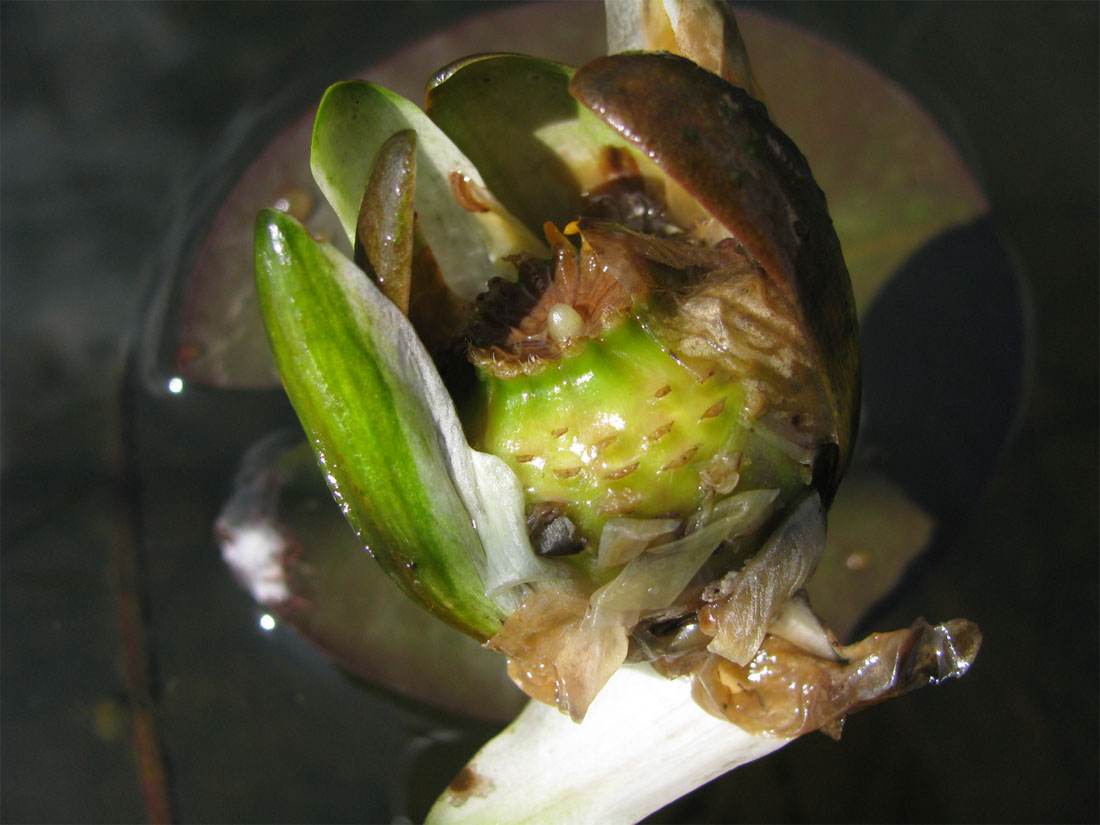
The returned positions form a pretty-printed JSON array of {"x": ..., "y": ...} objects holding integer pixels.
[
  {"x": 377, "y": 414},
  {"x": 536, "y": 147}
]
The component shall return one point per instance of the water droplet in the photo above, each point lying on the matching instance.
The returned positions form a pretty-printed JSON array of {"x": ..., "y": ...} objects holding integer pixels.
[
  {"x": 856, "y": 561},
  {"x": 296, "y": 202}
]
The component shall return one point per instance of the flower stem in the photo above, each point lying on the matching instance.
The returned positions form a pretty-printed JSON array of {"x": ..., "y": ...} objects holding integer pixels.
[{"x": 643, "y": 744}]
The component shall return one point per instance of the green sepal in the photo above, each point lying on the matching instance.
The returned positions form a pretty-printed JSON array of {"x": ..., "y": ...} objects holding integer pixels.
[
  {"x": 538, "y": 149},
  {"x": 379, "y": 419}
]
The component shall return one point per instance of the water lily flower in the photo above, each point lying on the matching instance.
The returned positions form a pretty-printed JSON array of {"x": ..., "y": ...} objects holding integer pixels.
[{"x": 585, "y": 389}]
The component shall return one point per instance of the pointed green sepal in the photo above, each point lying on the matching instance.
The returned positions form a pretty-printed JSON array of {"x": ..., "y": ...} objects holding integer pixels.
[{"x": 380, "y": 420}]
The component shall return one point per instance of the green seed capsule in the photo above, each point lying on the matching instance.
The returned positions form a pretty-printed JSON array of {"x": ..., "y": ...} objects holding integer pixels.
[{"x": 621, "y": 428}]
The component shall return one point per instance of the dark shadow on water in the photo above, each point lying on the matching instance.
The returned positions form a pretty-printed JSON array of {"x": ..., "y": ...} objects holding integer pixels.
[{"x": 946, "y": 350}]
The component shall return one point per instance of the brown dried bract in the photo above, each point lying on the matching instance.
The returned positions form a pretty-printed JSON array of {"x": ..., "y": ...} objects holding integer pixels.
[
  {"x": 785, "y": 691},
  {"x": 554, "y": 654}
]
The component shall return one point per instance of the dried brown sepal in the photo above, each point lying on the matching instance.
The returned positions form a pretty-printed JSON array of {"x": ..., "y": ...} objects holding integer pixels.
[
  {"x": 674, "y": 265},
  {"x": 743, "y": 603},
  {"x": 785, "y": 691},
  {"x": 554, "y": 654},
  {"x": 717, "y": 306}
]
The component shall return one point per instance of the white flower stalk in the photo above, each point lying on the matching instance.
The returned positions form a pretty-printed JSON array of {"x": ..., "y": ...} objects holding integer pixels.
[{"x": 644, "y": 743}]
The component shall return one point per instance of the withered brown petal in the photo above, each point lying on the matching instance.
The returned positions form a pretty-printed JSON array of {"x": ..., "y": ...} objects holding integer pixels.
[
  {"x": 785, "y": 691},
  {"x": 384, "y": 230},
  {"x": 719, "y": 144}
]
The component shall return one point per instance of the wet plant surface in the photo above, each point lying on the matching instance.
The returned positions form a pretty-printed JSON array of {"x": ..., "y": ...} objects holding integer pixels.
[{"x": 109, "y": 114}]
